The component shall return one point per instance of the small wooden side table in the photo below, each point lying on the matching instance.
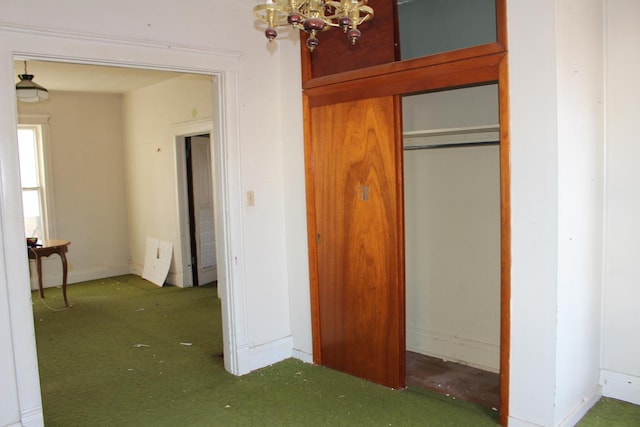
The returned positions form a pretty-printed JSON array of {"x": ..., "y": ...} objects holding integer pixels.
[{"x": 49, "y": 247}]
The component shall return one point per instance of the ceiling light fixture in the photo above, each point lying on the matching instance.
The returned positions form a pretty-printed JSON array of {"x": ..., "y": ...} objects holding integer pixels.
[
  {"x": 29, "y": 91},
  {"x": 313, "y": 16}
]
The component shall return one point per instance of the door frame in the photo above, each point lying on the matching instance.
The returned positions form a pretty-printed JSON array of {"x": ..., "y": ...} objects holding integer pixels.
[
  {"x": 490, "y": 69},
  {"x": 180, "y": 132},
  {"x": 30, "y": 44}
]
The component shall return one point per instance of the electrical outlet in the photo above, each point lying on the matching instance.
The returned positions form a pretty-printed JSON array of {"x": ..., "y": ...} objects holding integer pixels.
[{"x": 251, "y": 198}]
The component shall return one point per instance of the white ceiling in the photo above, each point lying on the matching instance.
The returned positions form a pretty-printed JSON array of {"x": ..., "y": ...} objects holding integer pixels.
[{"x": 60, "y": 76}]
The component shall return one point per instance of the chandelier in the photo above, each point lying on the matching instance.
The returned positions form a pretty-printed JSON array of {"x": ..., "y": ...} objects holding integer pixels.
[{"x": 313, "y": 16}]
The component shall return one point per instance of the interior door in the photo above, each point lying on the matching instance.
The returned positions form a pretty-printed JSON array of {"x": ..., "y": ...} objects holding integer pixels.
[
  {"x": 355, "y": 169},
  {"x": 202, "y": 204}
]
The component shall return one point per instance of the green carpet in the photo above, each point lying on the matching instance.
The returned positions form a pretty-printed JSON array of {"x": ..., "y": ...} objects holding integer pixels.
[
  {"x": 131, "y": 354},
  {"x": 612, "y": 413}
]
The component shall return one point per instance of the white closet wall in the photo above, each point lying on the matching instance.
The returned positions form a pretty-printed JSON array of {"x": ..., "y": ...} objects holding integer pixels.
[{"x": 452, "y": 205}]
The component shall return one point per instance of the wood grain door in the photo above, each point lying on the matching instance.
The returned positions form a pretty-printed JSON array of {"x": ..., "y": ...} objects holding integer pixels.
[{"x": 355, "y": 167}]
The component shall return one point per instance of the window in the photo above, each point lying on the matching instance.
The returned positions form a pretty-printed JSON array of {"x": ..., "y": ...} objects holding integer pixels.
[{"x": 34, "y": 203}]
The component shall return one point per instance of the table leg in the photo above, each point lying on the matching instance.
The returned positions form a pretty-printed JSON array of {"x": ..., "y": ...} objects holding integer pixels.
[
  {"x": 39, "y": 269},
  {"x": 64, "y": 277}
]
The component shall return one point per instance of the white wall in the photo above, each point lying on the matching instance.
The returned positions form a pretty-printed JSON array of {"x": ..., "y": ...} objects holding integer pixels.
[
  {"x": 295, "y": 216},
  {"x": 556, "y": 161},
  {"x": 581, "y": 180},
  {"x": 197, "y": 37},
  {"x": 457, "y": 108},
  {"x": 151, "y": 116},
  {"x": 452, "y": 209},
  {"x": 87, "y": 182},
  {"x": 621, "y": 346},
  {"x": 262, "y": 132},
  {"x": 452, "y": 221}
]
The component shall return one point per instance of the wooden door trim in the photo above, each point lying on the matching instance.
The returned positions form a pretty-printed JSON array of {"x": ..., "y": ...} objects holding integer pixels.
[
  {"x": 399, "y": 66},
  {"x": 401, "y": 80},
  {"x": 505, "y": 241},
  {"x": 505, "y": 214},
  {"x": 401, "y": 233},
  {"x": 312, "y": 235},
  {"x": 501, "y": 24}
]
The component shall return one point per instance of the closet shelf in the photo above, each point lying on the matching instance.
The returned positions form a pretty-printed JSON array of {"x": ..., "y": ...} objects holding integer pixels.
[{"x": 440, "y": 138}]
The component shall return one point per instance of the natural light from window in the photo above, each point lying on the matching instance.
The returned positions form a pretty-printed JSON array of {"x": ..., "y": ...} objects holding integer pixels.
[{"x": 31, "y": 174}]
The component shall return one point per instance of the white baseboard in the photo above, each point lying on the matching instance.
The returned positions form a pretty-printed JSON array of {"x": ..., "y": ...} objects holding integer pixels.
[
  {"x": 32, "y": 417},
  {"x": 270, "y": 353},
  {"x": 97, "y": 273},
  {"x": 242, "y": 363},
  {"x": 570, "y": 420},
  {"x": 581, "y": 410},
  {"x": 52, "y": 276},
  {"x": 456, "y": 349},
  {"x": 620, "y": 386},
  {"x": 252, "y": 358},
  {"x": 136, "y": 269},
  {"x": 516, "y": 422},
  {"x": 302, "y": 355},
  {"x": 175, "y": 279}
]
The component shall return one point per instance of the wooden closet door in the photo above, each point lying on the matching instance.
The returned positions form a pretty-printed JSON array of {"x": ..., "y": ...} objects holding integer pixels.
[{"x": 355, "y": 165}]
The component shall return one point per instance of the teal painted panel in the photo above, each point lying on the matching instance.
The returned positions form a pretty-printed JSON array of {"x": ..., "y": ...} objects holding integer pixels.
[{"x": 428, "y": 27}]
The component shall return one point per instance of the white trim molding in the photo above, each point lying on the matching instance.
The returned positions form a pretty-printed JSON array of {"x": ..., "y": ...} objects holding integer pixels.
[
  {"x": 620, "y": 386},
  {"x": 270, "y": 353},
  {"x": 32, "y": 417},
  {"x": 582, "y": 408}
]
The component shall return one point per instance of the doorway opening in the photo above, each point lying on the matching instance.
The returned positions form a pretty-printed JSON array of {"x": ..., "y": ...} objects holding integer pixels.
[
  {"x": 111, "y": 190},
  {"x": 197, "y": 208},
  {"x": 453, "y": 240}
]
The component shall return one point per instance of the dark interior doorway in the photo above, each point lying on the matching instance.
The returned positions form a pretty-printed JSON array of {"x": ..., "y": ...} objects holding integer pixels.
[
  {"x": 192, "y": 218},
  {"x": 200, "y": 208}
]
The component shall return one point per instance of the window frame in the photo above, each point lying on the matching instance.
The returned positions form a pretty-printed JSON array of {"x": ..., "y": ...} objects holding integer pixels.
[{"x": 40, "y": 124}]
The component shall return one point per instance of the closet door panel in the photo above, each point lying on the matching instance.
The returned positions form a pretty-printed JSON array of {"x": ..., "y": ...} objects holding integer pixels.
[{"x": 356, "y": 172}]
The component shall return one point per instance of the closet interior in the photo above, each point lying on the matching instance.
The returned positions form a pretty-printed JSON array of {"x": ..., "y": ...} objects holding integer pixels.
[{"x": 452, "y": 233}]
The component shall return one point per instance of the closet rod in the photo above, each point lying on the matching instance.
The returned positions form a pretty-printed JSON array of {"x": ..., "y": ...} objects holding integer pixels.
[{"x": 453, "y": 145}]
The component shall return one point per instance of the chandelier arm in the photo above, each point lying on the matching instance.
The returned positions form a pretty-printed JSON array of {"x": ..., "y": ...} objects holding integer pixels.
[
  {"x": 272, "y": 14},
  {"x": 368, "y": 11}
]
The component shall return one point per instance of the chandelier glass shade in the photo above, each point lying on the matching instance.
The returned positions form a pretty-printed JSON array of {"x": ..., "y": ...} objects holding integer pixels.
[
  {"x": 313, "y": 16},
  {"x": 29, "y": 91}
]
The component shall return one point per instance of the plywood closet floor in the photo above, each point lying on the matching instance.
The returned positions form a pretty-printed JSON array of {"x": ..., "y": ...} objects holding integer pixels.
[{"x": 453, "y": 379}]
